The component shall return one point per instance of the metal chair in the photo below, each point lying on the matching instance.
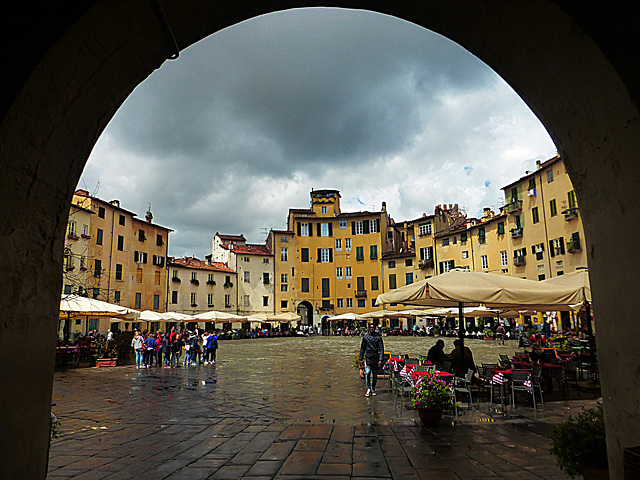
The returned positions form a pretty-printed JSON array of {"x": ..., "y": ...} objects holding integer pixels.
[
  {"x": 521, "y": 382},
  {"x": 536, "y": 384},
  {"x": 486, "y": 378},
  {"x": 505, "y": 361},
  {"x": 463, "y": 385}
]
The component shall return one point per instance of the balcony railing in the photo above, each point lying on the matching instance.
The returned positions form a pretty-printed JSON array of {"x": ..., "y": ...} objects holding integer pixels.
[
  {"x": 519, "y": 260},
  {"x": 573, "y": 246},
  {"x": 176, "y": 279},
  {"x": 425, "y": 264},
  {"x": 195, "y": 281},
  {"x": 482, "y": 239},
  {"x": 570, "y": 213},
  {"x": 514, "y": 206},
  {"x": 361, "y": 293},
  {"x": 326, "y": 308},
  {"x": 517, "y": 232}
]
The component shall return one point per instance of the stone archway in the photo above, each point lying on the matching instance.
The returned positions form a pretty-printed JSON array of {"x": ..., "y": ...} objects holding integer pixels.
[{"x": 575, "y": 64}]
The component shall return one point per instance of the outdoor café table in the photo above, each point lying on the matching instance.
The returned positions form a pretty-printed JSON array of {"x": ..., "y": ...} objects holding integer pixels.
[
  {"x": 395, "y": 362},
  {"x": 64, "y": 354},
  {"x": 415, "y": 375},
  {"x": 549, "y": 372},
  {"x": 500, "y": 376}
]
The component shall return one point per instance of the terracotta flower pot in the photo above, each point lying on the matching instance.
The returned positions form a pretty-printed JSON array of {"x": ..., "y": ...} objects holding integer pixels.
[
  {"x": 430, "y": 417},
  {"x": 106, "y": 362}
]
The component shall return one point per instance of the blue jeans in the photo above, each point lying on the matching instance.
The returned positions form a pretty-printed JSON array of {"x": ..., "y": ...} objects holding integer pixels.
[{"x": 138, "y": 357}]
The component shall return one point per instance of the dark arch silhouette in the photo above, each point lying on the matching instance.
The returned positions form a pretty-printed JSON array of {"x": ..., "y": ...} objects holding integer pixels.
[{"x": 69, "y": 66}]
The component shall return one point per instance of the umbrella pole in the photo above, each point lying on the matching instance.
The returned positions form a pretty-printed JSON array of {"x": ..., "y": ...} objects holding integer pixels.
[
  {"x": 592, "y": 353},
  {"x": 461, "y": 338}
]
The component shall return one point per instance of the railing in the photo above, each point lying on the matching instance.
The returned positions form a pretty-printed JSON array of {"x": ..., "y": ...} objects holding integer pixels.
[
  {"x": 570, "y": 213},
  {"x": 195, "y": 281},
  {"x": 517, "y": 232},
  {"x": 519, "y": 260},
  {"x": 361, "y": 293},
  {"x": 176, "y": 279},
  {"x": 514, "y": 206},
  {"x": 482, "y": 239}
]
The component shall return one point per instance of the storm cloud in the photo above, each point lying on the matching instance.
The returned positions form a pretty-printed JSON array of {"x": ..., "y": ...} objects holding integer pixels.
[{"x": 246, "y": 122}]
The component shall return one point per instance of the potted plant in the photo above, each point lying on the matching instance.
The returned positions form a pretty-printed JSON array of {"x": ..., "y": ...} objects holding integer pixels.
[
  {"x": 430, "y": 397},
  {"x": 488, "y": 334},
  {"x": 105, "y": 353},
  {"x": 580, "y": 446}
]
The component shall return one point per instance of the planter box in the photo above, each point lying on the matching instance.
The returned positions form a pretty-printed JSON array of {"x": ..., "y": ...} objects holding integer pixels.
[
  {"x": 488, "y": 338},
  {"x": 106, "y": 362}
]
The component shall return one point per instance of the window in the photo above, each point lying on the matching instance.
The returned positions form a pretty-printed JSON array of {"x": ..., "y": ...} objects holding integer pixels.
[
  {"x": 535, "y": 218},
  {"x": 265, "y": 260},
  {"x": 532, "y": 183},
  {"x": 392, "y": 264},
  {"x": 247, "y": 277},
  {"x": 304, "y": 254},
  {"x": 156, "y": 302},
  {"x": 325, "y": 230},
  {"x": 174, "y": 274},
  {"x": 121, "y": 220},
  {"x": 265, "y": 301},
  {"x": 409, "y": 278},
  {"x": 116, "y": 296},
  {"x": 359, "y": 253},
  {"x": 158, "y": 260},
  {"x": 455, "y": 239},
  {"x": 445, "y": 242},
  {"x": 463, "y": 237},
  {"x": 283, "y": 304},
  {"x": 347, "y": 272},
  {"x": 482, "y": 238},
  {"x": 99, "y": 234},
  {"x": 347, "y": 244},
  {"x": 194, "y": 299},
  {"x": 538, "y": 250},
  {"x": 446, "y": 266},
  {"x": 424, "y": 229},
  {"x": 139, "y": 275},
  {"x": 550, "y": 175},
  {"x": 227, "y": 300},
  {"x": 339, "y": 273},
  {"x": 343, "y": 223},
  {"x": 159, "y": 240},
  {"x": 503, "y": 258},
  {"x": 374, "y": 226},
  {"x": 465, "y": 254},
  {"x": 284, "y": 254},
  {"x": 324, "y": 209},
  {"x": 500, "y": 228},
  {"x": 246, "y": 300},
  {"x": 284, "y": 287},
  {"x": 245, "y": 259},
  {"x": 141, "y": 235},
  {"x": 373, "y": 252},
  {"x": 72, "y": 228},
  {"x": 571, "y": 196},
  {"x": 408, "y": 262},
  {"x": 96, "y": 293},
  {"x": 210, "y": 279},
  {"x": 358, "y": 228},
  {"x": 303, "y": 229},
  {"x": 305, "y": 284},
  {"x": 485, "y": 262},
  {"x": 556, "y": 247},
  {"x": 284, "y": 278},
  {"x": 553, "y": 208},
  {"x": 194, "y": 277},
  {"x": 338, "y": 244},
  {"x": 85, "y": 230},
  {"x": 118, "y": 271},
  {"x": 349, "y": 302},
  {"x": 541, "y": 277},
  {"x": 174, "y": 296},
  {"x": 325, "y": 255},
  {"x": 209, "y": 299},
  {"x": 362, "y": 303},
  {"x": 392, "y": 281},
  {"x": 284, "y": 239},
  {"x": 120, "y": 246},
  {"x": 265, "y": 278},
  {"x": 340, "y": 302},
  {"x": 426, "y": 253},
  {"x": 326, "y": 292},
  {"x": 101, "y": 212},
  {"x": 97, "y": 268},
  {"x": 374, "y": 282},
  {"x": 140, "y": 257},
  {"x": 138, "y": 300}
]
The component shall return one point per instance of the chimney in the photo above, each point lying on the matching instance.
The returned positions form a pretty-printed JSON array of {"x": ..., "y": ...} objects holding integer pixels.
[
  {"x": 384, "y": 206},
  {"x": 538, "y": 164},
  {"x": 115, "y": 203},
  {"x": 148, "y": 216}
]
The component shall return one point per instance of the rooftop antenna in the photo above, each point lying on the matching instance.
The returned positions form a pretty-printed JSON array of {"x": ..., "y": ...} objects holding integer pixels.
[{"x": 265, "y": 232}]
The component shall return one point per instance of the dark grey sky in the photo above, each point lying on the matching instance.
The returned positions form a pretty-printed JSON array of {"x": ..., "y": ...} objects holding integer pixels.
[{"x": 246, "y": 122}]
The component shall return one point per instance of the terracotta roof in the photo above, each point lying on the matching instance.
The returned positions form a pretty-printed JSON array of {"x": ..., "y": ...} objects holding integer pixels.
[
  {"x": 249, "y": 249},
  {"x": 392, "y": 255},
  {"x": 357, "y": 214},
  {"x": 193, "y": 262},
  {"x": 231, "y": 237}
]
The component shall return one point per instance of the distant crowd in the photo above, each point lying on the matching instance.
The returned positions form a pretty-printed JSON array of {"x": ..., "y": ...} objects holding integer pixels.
[{"x": 168, "y": 348}]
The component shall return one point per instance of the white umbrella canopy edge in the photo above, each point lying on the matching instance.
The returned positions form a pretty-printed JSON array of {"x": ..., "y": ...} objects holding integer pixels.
[
  {"x": 346, "y": 316},
  {"x": 78, "y": 305}
]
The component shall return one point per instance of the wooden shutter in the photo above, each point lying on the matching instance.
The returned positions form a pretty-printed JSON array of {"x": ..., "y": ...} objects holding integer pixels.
[
  {"x": 331, "y": 254},
  {"x": 319, "y": 252},
  {"x": 331, "y": 229},
  {"x": 319, "y": 229},
  {"x": 552, "y": 251},
  {"x": 365, "y": 226},
  {"x": 561, "y": 246},
  {"x": 299, "y": 229},
  {"x": 353, "y": 228}
]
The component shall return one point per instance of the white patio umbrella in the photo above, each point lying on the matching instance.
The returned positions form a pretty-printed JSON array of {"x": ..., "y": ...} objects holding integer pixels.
[
  {"x": 72, "y": 306},
  {"x": 346, "y": 316},
  {"x": 217, "y": 317}
]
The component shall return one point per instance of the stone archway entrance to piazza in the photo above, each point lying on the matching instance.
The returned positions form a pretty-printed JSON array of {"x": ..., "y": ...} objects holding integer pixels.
[
  {"x": 305, "y": 310},
  {"x": 575, "y": 65}
]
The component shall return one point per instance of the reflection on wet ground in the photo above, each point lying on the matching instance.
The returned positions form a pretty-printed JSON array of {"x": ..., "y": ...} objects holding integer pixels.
[{"x": 281, "y": 408}]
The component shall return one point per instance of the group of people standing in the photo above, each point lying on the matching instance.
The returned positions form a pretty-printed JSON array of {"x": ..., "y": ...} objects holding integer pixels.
[{"x": 168, "y": 348}]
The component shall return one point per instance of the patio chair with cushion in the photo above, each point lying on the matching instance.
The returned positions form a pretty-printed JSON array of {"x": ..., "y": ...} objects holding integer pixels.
[{"x": 521, "y": 381}]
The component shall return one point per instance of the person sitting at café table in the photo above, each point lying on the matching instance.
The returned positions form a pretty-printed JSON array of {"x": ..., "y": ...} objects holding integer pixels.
[
  {"x": 537, "y": 355},
  {"x": 436, "y": 353},
  {"x": 467, "y": 359}
]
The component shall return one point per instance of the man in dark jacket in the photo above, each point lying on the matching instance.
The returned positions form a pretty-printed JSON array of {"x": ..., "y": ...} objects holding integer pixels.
[
  {"x": 436, "y": 353},
  {"x": 372, "y": 351}
]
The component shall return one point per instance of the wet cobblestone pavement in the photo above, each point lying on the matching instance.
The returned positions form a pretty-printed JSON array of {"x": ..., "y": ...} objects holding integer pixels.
[{"x": 288, "y": 408}]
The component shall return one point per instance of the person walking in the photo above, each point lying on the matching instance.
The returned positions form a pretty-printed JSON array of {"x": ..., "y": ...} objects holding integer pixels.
[{"x": 372, "y": 351}]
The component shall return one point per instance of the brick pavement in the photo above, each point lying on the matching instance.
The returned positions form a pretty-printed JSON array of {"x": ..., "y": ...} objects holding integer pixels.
[{"x": 295, "y": 410}]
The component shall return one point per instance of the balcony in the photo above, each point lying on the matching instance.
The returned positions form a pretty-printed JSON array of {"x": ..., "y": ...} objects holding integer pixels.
[
  {"x": 514, "y": 206},
  {"x": 326, "y": 308},
  {"x": 176, "y": 279},
  {"x": 519, "y": 260},
  {"x": 228, "y": 285},
  {"x": 211, "y": 282},
  {"x": 85, "y": 236},
  {"x": 71, "y": 236},
  {"x": 361, "y": 294},
  {"x": 517, "y": 232},
  {"x": 570, "y": 214},
  {"x": 573, "y": 246},
  {"x": 424, "y": 264},
  {"x": 195, "y": 281}
]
